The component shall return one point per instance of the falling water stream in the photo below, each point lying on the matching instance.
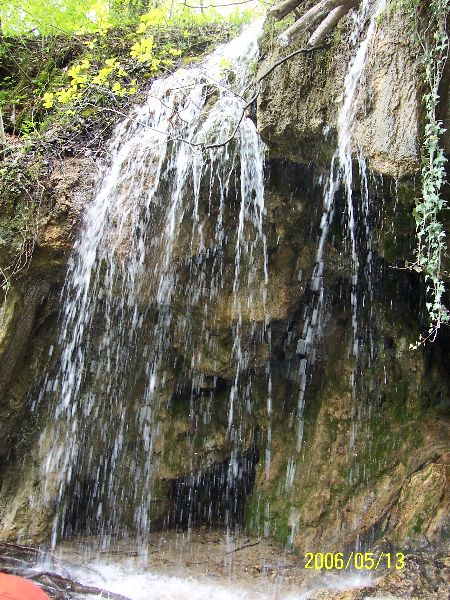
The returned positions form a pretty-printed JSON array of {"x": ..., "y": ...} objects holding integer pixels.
[
  {"x": 151, "y": 267},
  {"x": 155, "y": 239},
  {"x": 341, "y": 175}
]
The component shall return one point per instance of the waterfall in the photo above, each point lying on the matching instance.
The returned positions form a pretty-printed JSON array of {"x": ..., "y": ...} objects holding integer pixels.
[
  {"x": 149, "y": 286},
  {"x": 341, "y": 175},
  {"x": 149, "y": 268}
]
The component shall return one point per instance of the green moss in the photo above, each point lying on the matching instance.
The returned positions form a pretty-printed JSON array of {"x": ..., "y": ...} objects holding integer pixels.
[
  {"x": 271, "y": 30},
  {"x": 268, "y": 509}
]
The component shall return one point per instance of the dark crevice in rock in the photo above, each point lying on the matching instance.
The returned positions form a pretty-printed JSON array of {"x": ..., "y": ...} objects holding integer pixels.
[{"x": 213, "y": 497}]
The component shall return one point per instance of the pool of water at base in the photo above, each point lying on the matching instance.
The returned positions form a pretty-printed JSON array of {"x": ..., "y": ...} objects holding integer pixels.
[{"x": 201, "y": 565}]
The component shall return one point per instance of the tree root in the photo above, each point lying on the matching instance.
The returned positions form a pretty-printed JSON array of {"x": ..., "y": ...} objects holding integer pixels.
[{"x": 65, "y": 585}]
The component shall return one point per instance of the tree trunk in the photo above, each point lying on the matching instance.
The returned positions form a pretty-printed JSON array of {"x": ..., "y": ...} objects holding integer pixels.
[
  {"x": 313, "y": 17},
  {"x": 2, "y": 131},
  {"x": 329, "y": 24},
  {"x": 283, "y": 8}
]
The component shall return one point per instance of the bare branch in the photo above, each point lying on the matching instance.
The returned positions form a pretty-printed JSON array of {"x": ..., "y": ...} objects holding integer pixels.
[
  {"x": 201, "y": 145},
  {"x": 250, "y": 102},
  {"x": 291, "y": 55},
  {"x": 2, "y": 130},
  {"x": 242, "y": 547},
  {"x": 127, "y": 116},
  {"x": 329, "y": 24},
  {"x": 224, "y": 143},
  {"x": 313, "y": 17}
]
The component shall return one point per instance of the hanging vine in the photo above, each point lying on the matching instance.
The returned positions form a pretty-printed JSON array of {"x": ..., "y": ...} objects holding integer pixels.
[{"x": 431, "y": 237}]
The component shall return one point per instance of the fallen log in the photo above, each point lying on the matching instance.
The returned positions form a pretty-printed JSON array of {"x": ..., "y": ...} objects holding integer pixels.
[
  {"x": 328, "y": 24},
  {"x": 313, "y": 17},
  {"x": 64, "y": 584},
  {"x": 281, "y": 9}
]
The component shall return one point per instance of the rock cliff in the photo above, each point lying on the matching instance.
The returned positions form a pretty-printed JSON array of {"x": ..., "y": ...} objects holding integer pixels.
[
  {"x": 339, "y": 496},
  {"x": 373, "y": 466}
]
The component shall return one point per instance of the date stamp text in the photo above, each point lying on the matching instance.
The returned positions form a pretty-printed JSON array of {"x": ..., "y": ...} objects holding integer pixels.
[{"x": 361, "y": 561}]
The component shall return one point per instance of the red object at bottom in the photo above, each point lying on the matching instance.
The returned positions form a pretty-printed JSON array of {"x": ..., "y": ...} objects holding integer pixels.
[{"x": 17, "y": 588}]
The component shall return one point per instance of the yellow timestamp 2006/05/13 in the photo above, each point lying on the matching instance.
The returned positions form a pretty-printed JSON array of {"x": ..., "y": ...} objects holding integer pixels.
[{"x": 368, "y": 561}]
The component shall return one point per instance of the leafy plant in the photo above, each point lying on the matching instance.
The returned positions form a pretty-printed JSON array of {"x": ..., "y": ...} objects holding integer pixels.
[
  {"x": 145, "y": 50},
  {"x": 53, "y": 17},
  {"x": 28, "y": 128},
  {"x": 431, "y": 34}
]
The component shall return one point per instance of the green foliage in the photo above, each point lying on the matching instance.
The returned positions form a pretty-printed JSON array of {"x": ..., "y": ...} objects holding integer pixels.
[
  {"x": 110, "y": 74},
  {"x": 71, "y": 85},
  {"x": 431, "y": 34},
  {"x": 154, "y": 42},
  {"x": 67, "y": 73},
  {"x": 53, "y": 17},
  {"x": 427, "y": 24},
  {"x": 145, "y": 50},
  {"x": 46, "y": 17}
]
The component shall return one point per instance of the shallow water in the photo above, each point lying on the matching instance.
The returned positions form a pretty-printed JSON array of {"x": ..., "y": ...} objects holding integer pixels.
[{"x": 195, "y": 566}]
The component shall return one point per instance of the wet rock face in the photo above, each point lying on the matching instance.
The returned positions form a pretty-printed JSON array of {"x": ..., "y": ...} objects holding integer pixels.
[
  {"x": 37, "y": 234},
  {"x": 28, "y": 318},
  {"x": 298, "y": 104},
  {"x": 188, "y": 441},
  {"x": 373, "y": 461},
  {"x": 368, "y": 451},
  {"x": 297, "y": 101},
  {"x": 35, "y": 241},
  {"x": 213, "y": 497},
  {"x": 389, "y": 123},
  {"x": 370, "y": 467}
]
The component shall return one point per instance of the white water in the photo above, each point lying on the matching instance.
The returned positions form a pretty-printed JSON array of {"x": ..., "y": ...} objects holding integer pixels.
[
  {"x": 341, "y": 174},
  {"x": 143, "y": 585},
  {"x": 179, "y": 566},
  {"x": 346, "y": 120},
  {"x": 148, "y": 216}
]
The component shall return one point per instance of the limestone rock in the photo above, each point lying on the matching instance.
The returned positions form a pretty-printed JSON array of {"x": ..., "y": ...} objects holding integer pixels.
[{"x": 299, "y": 101}]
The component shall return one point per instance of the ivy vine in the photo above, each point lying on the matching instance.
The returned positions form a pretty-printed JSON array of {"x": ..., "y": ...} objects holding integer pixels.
[{"x": 430, "y": 28}]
